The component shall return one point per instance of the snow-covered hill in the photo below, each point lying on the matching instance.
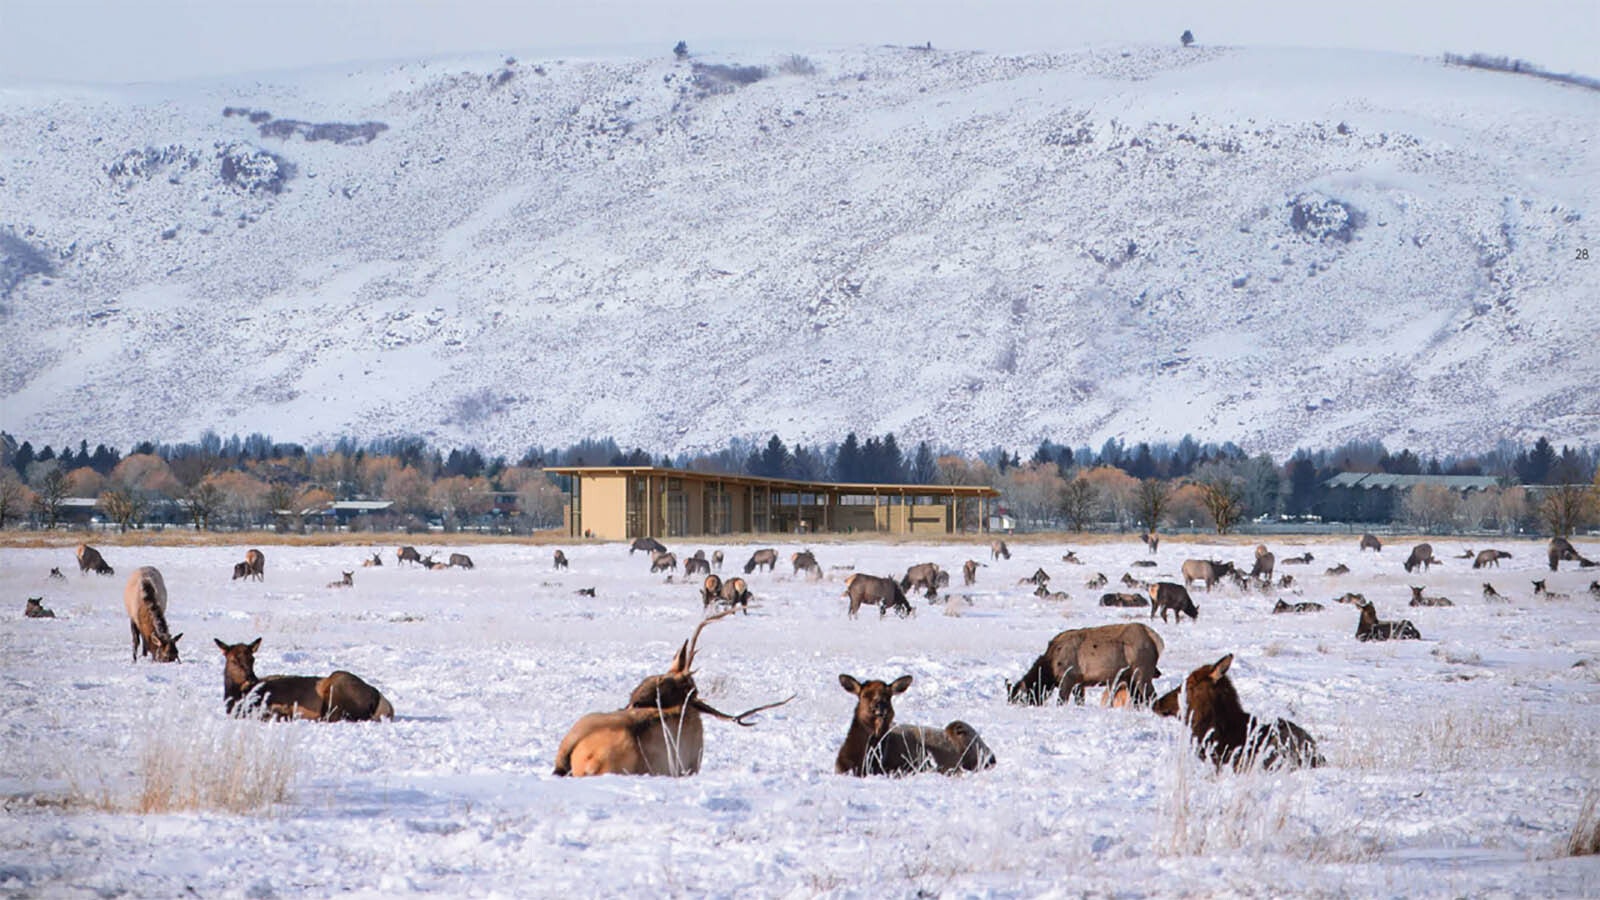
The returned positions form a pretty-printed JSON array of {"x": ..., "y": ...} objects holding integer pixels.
[{"x": 1279, "y": 248}]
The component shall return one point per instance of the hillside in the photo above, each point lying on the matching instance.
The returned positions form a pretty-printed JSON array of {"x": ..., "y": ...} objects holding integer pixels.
[{"x": 1279, "y": 248}]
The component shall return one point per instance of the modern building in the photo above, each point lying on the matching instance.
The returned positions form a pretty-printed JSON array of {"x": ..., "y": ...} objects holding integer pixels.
[{"x": 624, "y": 502}]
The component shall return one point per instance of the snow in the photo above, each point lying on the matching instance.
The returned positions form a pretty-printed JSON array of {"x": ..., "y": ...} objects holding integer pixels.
[{"x": 1457, "y": 764}]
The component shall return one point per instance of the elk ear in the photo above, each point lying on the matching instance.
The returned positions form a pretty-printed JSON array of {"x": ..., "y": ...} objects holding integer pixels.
[
  {"x": 900, "y": 684},
  {"x": 176, "y": 638},
  {"x": 680, "y": 663},
  {"x": 850, "y": 684},
  {"x": 255, "y": 645},
  {"x": 1220, "y": 667},
  {"x": 220, "y": 645}
]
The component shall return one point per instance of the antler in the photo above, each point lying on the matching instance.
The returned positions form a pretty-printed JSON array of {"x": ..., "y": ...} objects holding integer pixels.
[
  {"x": 707, "y": 708},
  {"x": 688, "y": 662}
]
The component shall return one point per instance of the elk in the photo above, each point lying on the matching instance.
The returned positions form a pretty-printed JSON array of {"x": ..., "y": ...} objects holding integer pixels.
[
  {"x": 1225, "y": 734},
  {"x": 1340, "y": 569},
  {"x": 1594, "y": 589},
  {"x": 1562, "y": 550},
  {"x": 1039, "y": 578},
  {"x": 927, "y": 576},
  {"x": 1301, "y": 560},
  {"x": 1207, "y": 571},
  {"x": 408, "y": 554},
  {"x": 1097, "y": 655},
  {"x": 1489, "y": 558},
  {"x": 805, "y": 561},
  {"x": 1098, "y": 581},
  {"x": 1071, "y": 558},
  {"x": 460, "y": 559},
  {"x": 145, "y": 598},
  {"x": 710, "y": 589},
  {"x": 1287, "y": 581},
  {"x": 1264, "y": 564},
  {"x": 969, "y": 572},
  {"x": 35, "y": 609},
  {"x": 1165, "y": 595},
  {"x": 1369, "y": 628},
  {"x": 1044, "y": 593},
  {"x": 241, "y": 570},
  {"x": 1370, "y": 541},
  {"x": 662, "y": 561},
  {"x": 1282, "y": 607},
  {"x": 90, "y": 560},
  {"x": 1120, "y": 599},
  {"x": 696, "y": 564},
  {"x": 428, "y": 562},
  {"x": 1467, "y": 554},
  {"x": 1151, "y": 540},
  {"x": 1421, "y": 555},
  {"x": 886, "y": 593},
  {"x": 716, "y": 560},
  {"x": 347, "y": 581},
  {"x": 1144, "y": 564},
  {"x": 1489, "y": 593},
  {"x": 561, "y": 560},
  {"x": 767, "y": 557},
  {"x": 997, "y": 549},
  {"x": 1418, "y": 600},
  {"x": 584, "y": 592},
  {"x": 647, "y": 544},
  {"x": 875, "y": 746},
  {"x": 735, "y": 593},
  {"x": 257, "y": 561},
  {"x": 659, "y": 732},
  {"x": 55, "y": 572},
  {"x": 376, "y": 560},
  {"x": 340, "y": 697},
  {"x": 1540, "y": 591},
  {"x": 1129, "y": 581}
]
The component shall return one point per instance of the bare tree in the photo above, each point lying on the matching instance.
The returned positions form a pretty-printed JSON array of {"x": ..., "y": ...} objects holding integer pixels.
[
  {"x": 51, "y": 490},
  {"x": 1150, "y": 502},
  {"x": 124, "y": 506},
  {"x": 204, "y": 501},
  {"x": 1429, "y": 507},
  {"x": 1567, "y": 507},
  {"x": 1223, "y": 498},
  {"x": 1078, "y": 502}
]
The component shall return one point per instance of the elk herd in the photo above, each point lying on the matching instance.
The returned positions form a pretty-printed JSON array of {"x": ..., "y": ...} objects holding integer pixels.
[{"x": 661, "y": 728}]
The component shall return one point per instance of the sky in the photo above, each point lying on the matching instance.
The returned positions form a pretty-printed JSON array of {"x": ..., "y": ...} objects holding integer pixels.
[{"x": 123, "y": 41}]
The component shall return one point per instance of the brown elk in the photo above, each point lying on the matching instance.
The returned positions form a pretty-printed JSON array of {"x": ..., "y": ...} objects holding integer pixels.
[
  {"x": 696, "y": 565},
  {"x": 460, "y": 559},
  {"x": 1594, "y": 589},
  {"x": 1071, "y": 558},
  {"x": 561, "y": 560},
  {"x": 1098, "y": 581},
  {"x": 1208, "y": 572},
  {"x": 1370, "y": 541},
  {"x": 1561, "y": 550},
  {"x": 428, "y": 562},
  {"x": 584, "y": 592},
  {"x": 1040, "y": 578},
  {"x": 1165, "y": 595},
  {"x": 805, "y": 561},
  {"x": 647, "y": 544},
  {"x": 766, "y": 557},
  {"x": 662, "y": 561},
  {"x": 55, "y": 572},
  {"x": 241, "y": 570},
  {"x": 1301, "y": 560},
  {"x": 710, "y": 589},
  {"x": 1340, "y": 569},
  {"x": 1044, "y": 593},
  {"x": 376, "y": 560},
  {"x": 349, "y": 580},
  {"x": 927, "y": 576},
  {"x": 1286, "y": 581},
  {"x": 1264, "y": 564},
  {"x": 716, "y": 560},
  {"x": 408, "y": 554},
  {"x": 659, "y": 732},
  {"x": 257, "y": 561},
  {"x": 1421, "y": 555},
  {"x": 1489, "y": 558},
  {"x": 1282, "y": 607},
  {"x": 1418, "y": 600},
  {"x": 340, "y": 697},
  {"x": 1370, "y": 628},
  {"x": 969, "y": 572},
  {"x": 875, "y": 746},
  {"x": 736, "y": 594},
  {"x": 886, "y": 593},
  {"x": 1540, "y": 592},
  {"x": 1225, "y": 734},
  {"x": 90, "y": 560},
  {"x": 1151, "y": 540},
  {"x": 35, "y": 609},
  {"x": 1097, "y": 655},
  {"x": 1120, "y": 599},
  {"x": 145, "y": 598},
  {"x": 997, "y": 549}
]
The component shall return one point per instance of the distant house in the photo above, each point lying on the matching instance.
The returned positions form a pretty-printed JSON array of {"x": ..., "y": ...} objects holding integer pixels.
[
  {"x": 1374, "y": 496},
  {"x": 339, "y": 513}
]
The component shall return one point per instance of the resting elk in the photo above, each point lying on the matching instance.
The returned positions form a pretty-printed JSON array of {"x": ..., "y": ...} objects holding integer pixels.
[
  {"x": 1098, "y": 581},
  {"x": 1369, "y": 628},
  {"x": 659, "y": 732},
  {"x": 1418, "y": 600},
  {"x": 1489, "y": 593},
  {"x": 1226, "y": 735},
  {"x": 886, "y": 593},
  {"x": 1121, "y": 599},
  {"x": 875, "y": 746},
  {"x": 376, "y": 560},
  {"x": 340, "y": 697},
  {"x": 1301, "y": 560},
  {"x": 1421, "y": 555},
  {"x": 1282, "y": 607},
  {"x": 35, "y": 609},
  {"x": 1097, "y": 655},
  {"x": 1340, "y": 569},
  {"x": 55, "y": 572},
  {"x": 90, "y": 560},
  {"x": 349, "y": 580},
  {"x": 145, "y": 598},
  {"x": 1540, "y": 592},
  {"x": 765, "y": 558}
]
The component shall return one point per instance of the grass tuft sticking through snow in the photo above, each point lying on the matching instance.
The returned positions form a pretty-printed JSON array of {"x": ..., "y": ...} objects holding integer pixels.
[{"x": 1585, "y": 837}]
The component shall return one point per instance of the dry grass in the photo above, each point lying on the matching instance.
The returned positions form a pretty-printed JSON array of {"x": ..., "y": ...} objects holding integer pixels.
[
  {"x": 1465, "y": 739},
  {"x": 1585, "y": 837}
]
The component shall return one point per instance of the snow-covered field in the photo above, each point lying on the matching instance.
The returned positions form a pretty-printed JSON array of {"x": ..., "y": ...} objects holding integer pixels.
[{"x": 1457, "y": 764}]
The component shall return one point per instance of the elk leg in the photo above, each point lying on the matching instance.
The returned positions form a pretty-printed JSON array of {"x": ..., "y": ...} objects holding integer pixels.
[{"x": 135, "y": 630}]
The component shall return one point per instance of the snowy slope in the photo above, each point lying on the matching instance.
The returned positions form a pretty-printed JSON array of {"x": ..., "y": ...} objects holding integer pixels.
[
  {"x": 1280, "y": 248},
  {"x": 1457, "y": 764}
]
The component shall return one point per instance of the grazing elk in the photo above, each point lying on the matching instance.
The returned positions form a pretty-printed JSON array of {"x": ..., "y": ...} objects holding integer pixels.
[
  {"x": 764, "y": 558},
  {"x": 1369, "y": 628},
  {"x": 375, "y": 561},
  {"x": 1151, "y": 540},
  {"x": 35, "y": 609},
  {"x": 1562, "y": 550},
  {"x": 90, "y": 560},
  {"x": 460, "y": 559},
  {"x": 1418, "y": 600},
  {"x": 1301, "y": 560},
  {"x": 736, "y": 594},
  {"x": 561, "y": 561},
  {"x": 927, "y": 576},
  {"x": 997, "y": 549},
  {"x": 1265, "y": 562},
  {"x": 1207, "y": 571},
  {"x": 710, "y": 589},
  {"x": 647, "y": 544},
  {"x": 1421, "y": 555},
  {"x": 1541, "y": 592},
  {"x": 1489, "y": 593},
  {"x": 1225, "y": 734},
  {"x": 1165, "y": 595},
  {"x": 1370, "y": 541},
  {"x": 1144, "y": 564},
  {"x": 1127, "y": 600},
  {"x": 875, "y": 746},
  {"x": 1097, "y": 582},
  {"x": 969, "y": 572},
  {"x": 408, "y": 554},
  {"x": 659, "y": 732},
  {"x": 1098, "y": 655},
  {"x": 241, "y": 570},
  {"x": 696, "y": 565},
  {"x": 886, "y": 593},
  {"x": 1489, "y": 558},
  {"x": 349, "y": 580},
  {"x": 716, "y": 560},
  {"x": 340, "y": 697},
  {"x": 145, "y": 598},
  {"x": 805, "y": 561},
  {"x": 1308, "y": 606},
  {"x": 55, "y": 572},
  {"x": 257, "y": 561},
  {"x": 1340, "y": 569},
  {"x": 662, "y": 561}
]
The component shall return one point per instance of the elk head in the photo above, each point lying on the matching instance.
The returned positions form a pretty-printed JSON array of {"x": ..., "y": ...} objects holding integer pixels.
[{"x": 875, "y": 703}]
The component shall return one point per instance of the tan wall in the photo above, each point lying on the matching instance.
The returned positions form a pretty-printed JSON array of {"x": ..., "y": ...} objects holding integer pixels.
[{"x": 605, "y": 507}]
